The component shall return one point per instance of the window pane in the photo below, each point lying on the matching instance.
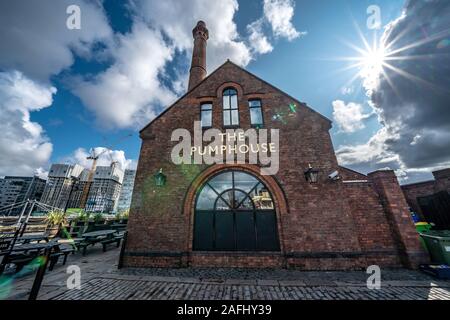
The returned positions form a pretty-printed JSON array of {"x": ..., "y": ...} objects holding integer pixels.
[
  {"x": 226, "y": 118},
  {"x": 254, "y": 103},
  {"x": 234, "y": 103},
  {"x": 256, "y": 116},
  {"x": 221, "y": 182},
  {"x": 229, "y": 92},
  {"x": 223, "y": 204},
  {"x": 234, "y": 117},
  {"x": 206, "y": 199},
  {"x": 224, "y": 231},
  {"x": 226, "y": 102},
  {"x": 261, "y": 198},
  {"x": 206, "y": 106},
  {"x": 244, "y": 181},
  {"x": 242, "y": 202},
  {"x": 206, "y": 118},
  {"x": 226, "y": 200}
]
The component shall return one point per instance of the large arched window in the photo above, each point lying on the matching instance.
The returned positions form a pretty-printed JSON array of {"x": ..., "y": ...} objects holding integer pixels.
[
  {"x": 234, "y": 211},
  {"x": 230, "y": 108}
]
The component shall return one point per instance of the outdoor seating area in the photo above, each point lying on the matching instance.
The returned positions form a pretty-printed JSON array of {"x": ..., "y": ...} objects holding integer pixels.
[{"x": 53, "y": 237}]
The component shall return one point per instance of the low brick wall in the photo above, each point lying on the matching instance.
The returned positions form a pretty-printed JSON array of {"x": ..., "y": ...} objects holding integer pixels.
[{"x": 299, "y": 260}]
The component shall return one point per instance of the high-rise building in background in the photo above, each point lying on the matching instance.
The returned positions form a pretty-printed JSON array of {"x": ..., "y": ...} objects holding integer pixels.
[
  {"x": 62, "y": 180},
  {"x": 66, "y": 183},
  {"x": 127, "y": 190},
  {"x": 14, "y": 190},
  {"x": 105, "y": 189},
  {"x": 77, "y": 190}
]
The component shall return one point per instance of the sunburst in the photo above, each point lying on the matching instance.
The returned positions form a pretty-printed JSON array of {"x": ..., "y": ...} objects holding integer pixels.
[{"x": 375, "y": 60}]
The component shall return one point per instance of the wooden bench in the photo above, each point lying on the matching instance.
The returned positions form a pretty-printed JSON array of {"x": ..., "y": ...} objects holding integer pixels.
[{"x": 116, "y": 240}]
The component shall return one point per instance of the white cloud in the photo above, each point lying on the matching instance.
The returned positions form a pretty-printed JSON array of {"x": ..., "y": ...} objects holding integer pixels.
[
  {"x": 177, "y": 19},
  {"x": 258, "y": 41},
  {"x": 279, "y": 13},
  {"x": 36, "y": 45},
  {"x": 129, "y": 92},
  {"x": 375, "y": 150},
  {"x": 36, "y": 41},
  {"x": 23, "y": 144},
  {"x": 349, "y": 116},
  {"x": 79, "y": 156}
]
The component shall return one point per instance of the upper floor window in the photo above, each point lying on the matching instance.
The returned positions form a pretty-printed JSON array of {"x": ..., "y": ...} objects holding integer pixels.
[
  {"x": 230, "y": 108},
  {"x": 256, "y": 117},
  {"x": 206, "y": 115}
]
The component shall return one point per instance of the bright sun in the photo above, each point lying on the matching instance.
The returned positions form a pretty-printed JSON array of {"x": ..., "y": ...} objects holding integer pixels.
[{"x": 373, "y": 60}]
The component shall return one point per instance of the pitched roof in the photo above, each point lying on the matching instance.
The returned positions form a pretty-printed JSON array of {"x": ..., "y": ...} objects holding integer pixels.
[{"x": 244, "y": 70}]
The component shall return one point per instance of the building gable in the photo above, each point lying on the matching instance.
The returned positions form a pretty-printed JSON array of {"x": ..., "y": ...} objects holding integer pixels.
[{"x": 248, "y": 84}]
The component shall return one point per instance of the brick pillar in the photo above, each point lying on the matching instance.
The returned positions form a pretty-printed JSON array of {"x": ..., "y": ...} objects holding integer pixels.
[{"x": 402, "y": 226}]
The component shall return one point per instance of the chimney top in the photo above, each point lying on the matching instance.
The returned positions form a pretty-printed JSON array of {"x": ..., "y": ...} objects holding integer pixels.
[{"x": 200, "y": 30}]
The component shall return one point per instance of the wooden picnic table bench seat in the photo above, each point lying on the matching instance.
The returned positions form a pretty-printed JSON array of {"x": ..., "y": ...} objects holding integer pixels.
[
  {"x": 63, "y": 250},
  {"x": 116, "y": 240}
]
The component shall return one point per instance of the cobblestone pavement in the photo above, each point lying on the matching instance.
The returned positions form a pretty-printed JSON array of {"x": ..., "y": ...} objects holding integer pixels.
[{"x": 102, "y": 280}]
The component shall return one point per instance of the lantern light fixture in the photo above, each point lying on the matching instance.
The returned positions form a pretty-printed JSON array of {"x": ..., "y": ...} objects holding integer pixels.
[{"x": 160, "y": 178}]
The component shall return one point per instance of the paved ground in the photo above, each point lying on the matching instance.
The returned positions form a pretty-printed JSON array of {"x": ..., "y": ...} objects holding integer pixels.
[{"x": 100, "y": 279}]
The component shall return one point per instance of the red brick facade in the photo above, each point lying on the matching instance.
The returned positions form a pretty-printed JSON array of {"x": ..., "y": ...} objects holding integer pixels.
[{"x": 348, "y": 223}]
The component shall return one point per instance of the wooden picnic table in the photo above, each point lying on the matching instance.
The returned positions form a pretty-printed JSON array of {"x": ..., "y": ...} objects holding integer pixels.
[
  {"x": 89, "y": 236},
  {"x": 34, "y": 246},
  {"x": 101, "y": 236}
]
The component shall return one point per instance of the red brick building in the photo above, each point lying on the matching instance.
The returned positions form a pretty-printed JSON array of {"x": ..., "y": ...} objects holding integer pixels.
[{"x": 280, "y": 220}]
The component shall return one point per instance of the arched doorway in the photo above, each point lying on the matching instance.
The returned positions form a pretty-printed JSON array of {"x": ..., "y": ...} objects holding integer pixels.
[{"x": 234, "y": 211}]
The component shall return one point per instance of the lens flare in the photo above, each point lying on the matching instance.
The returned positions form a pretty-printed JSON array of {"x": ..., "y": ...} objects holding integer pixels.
[{"x": 374, "y": 61}]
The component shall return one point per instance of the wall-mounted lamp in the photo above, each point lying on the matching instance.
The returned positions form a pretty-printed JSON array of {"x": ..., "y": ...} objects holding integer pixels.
[
  {"x": 311, "y": 175},
  {"x": 160, "y": 178}
]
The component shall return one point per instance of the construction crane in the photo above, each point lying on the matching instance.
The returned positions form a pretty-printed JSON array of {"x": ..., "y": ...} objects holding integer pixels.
[{"x": 94, "y": 157}]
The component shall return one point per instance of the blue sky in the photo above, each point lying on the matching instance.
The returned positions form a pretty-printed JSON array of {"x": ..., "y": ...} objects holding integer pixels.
[{"x": 301, "y": 53}]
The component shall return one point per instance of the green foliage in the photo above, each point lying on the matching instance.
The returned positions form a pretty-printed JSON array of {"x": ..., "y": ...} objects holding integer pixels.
[
  {"x": 56, "y": 218},
  {"x": 122, "y": 215},
  {"x": 83, "y": 216}
]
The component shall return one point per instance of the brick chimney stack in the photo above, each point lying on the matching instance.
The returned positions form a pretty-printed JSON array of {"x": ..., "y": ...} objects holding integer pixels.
[{"x": 198, "y": 65}]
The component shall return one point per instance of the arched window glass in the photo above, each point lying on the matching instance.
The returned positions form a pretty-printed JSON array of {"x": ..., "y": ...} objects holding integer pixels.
[
  {"x": 230, "y": 107},
  {"x": 234, "y": 211}
]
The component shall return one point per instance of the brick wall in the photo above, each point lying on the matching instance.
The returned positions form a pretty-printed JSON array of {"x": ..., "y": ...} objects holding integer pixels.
[
  {"x": 397, "y": 213},
  {"x": 373, "y": 230}
]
